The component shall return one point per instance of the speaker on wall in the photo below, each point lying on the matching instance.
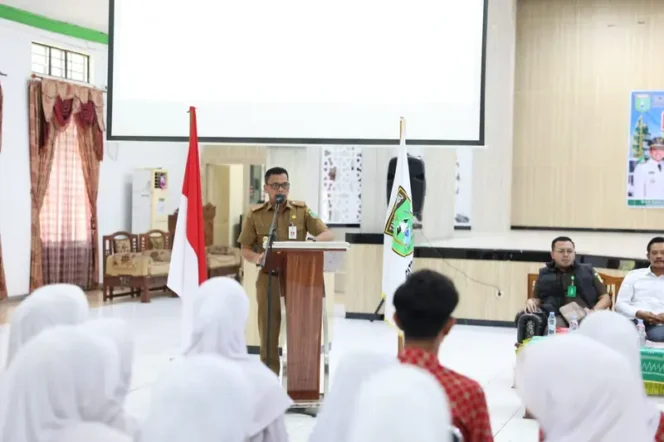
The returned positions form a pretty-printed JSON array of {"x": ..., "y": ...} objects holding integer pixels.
[{"x": 418, "y": 183}]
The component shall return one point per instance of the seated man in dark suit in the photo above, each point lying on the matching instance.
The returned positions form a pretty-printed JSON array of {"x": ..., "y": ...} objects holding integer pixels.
[{"x": 561, "y": 282}]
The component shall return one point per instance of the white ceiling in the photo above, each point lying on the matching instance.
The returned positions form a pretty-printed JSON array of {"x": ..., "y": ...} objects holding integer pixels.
[{"x": 87, "y": 13}]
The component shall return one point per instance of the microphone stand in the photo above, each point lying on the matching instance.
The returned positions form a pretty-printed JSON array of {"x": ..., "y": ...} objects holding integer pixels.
[{"x": 272, "y": 272}]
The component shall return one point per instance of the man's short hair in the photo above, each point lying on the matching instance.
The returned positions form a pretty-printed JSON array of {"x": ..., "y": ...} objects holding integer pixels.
[
  {"x": 424, "y": 304},
  {"x": 275, "y": 171},
  {"x": 655, "y": 240},
  {"x": 561, "y": 239}
]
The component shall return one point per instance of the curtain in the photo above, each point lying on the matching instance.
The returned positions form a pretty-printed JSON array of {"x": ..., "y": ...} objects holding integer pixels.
[
  {"x": 57, "y": 103},
  {"x": 3, "y": 284},
  {"x": 65, "y": 215}
]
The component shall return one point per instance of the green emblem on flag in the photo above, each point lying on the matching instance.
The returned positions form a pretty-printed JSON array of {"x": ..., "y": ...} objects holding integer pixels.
[
  {"x": 400, "y": 224},
  {"x": 642, "y": 103}
]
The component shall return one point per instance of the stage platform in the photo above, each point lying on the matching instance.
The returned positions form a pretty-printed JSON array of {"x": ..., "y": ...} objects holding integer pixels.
[{"x": 490, "y": 270}]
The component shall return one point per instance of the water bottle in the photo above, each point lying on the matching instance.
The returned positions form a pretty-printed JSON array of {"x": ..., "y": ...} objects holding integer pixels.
[
  {"x": 641, "y": 330},
  {"x": 551, "y": 327},
  {"x": 573, "y": 324}
]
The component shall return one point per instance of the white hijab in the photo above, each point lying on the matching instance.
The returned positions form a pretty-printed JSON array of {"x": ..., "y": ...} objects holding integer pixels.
[
  {"x": 221, "y": 310},
  {"x": 91, "y": 432},
  {"x": 117, "y": 331},
  {"x": 202, "y": 398},
  {"x": 402, "y": 403},
  {"x": 338, "y": 409},
  {"x": 579, "y": 390},
  {"x": 48, "y": 306},
  {"x": 60, "y": 378},
  {"x": 618, "y": 333}
]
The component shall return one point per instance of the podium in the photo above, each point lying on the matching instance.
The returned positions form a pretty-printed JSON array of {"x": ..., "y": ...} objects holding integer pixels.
[{"x": 300, "y": 266}]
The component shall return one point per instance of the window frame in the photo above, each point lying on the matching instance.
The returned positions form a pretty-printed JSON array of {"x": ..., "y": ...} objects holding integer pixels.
[{"x": 66, "y": 53}]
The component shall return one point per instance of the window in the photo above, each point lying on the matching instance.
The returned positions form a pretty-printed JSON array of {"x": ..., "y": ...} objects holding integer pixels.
[
  {"x": 55, "y": 62},
  {"x": 341, "y": 192}
]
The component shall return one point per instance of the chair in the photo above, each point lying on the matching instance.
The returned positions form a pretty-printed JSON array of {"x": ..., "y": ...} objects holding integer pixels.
[{"x": 122, "y": 264}]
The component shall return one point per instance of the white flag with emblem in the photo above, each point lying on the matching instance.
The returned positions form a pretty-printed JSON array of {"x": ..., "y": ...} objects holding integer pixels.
[{"x": 398, "y": 243}]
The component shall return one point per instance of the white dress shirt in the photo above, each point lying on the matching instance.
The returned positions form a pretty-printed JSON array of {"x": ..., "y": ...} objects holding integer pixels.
[
  {"x": 649, "y": 181},
  {"x": 641, "y": 290}
]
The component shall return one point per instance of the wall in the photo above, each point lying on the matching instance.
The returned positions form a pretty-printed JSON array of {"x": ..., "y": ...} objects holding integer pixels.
[
  {"x": 577, "y": 62},
  {"x": 120, "y": 158}
]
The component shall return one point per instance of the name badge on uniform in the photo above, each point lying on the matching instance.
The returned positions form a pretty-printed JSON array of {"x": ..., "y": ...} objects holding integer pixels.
[
  {"x": 571, "y": 290},
  {"x": 292, "y": 231},
  {"x": 264, "y": 242}
]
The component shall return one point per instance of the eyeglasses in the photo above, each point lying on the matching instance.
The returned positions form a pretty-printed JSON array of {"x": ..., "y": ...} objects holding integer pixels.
[{"x": 277, "y": 186}]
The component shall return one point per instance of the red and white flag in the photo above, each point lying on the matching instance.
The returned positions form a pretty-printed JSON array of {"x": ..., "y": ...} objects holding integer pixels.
[{"x": 188, "y": 267}]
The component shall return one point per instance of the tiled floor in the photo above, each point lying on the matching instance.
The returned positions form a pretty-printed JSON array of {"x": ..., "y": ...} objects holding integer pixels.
[{"x": 485, "y": 354}]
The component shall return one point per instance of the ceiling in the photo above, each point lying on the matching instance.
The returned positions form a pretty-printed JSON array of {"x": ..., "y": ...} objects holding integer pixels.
[{"x": 91, "y": 14}]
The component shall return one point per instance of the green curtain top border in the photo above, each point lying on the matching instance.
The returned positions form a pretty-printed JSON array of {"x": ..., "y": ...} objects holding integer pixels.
[{"x": 48, "y": 24}]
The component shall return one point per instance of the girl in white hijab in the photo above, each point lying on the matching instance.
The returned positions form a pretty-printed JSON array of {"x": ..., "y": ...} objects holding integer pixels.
[
  {"x": 402, "y": 403},
  {"x": 117, "y": 331},
  {"x": 618, "y": 333},
  {"x": 220, "y": 316},
  {"x": 48, "y": 306},
  {"x": 203, "y": 398},
  {"x": 92, "y": 432},
  {"x": 338, "y": 409},
  {"x": 579, "y": 390},
  {"x": 59, "y": 379}
]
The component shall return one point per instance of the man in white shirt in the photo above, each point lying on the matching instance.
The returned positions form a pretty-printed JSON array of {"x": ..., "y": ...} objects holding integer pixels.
[
  {"x": 641, "y": 294},
  {"x": 649, "y": 175}
]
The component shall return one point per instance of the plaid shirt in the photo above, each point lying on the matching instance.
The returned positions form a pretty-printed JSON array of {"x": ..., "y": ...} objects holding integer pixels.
[{"x": 470, "y": 413}]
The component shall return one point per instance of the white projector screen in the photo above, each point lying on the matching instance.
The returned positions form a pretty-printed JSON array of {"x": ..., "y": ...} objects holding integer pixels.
[{"x": 298, "y": 71}]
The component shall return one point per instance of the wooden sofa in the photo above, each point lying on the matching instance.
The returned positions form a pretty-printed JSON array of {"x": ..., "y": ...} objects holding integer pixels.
[
  {"x": 137, "y": 262},
  {"x": 140, "y": 262}
]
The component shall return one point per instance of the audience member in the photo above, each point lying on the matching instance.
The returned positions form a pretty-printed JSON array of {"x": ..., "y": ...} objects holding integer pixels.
[
  {"x": 202, "y": 398},
  {"x": 48, "y": 306},
  {"x": 580, "y": 390},
  {"x": 641, "y": 295},
  {"x": 221, "y": 310},
  {"x": 60, "y": 378},
  {"x": 402, "y": 403},
  {"x": 117, "y": 331},
  {"x": 424, "y": 304},
  {"x": 619, "y": 334},
  {"x": 564, "y": 287},
  {"x": 91, "y": 432},
  {"x": 338, "y": 409}
]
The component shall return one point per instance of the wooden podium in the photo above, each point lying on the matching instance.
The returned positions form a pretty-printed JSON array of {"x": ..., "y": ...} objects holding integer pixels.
[{"x": 300, "y": 266}]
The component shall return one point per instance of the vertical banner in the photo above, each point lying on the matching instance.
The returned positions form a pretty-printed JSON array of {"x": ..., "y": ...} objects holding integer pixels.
[{"x": 645, "y": 177}]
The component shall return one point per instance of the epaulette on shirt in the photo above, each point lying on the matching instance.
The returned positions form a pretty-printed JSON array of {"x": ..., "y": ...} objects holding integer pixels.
[
  {"x": 258, "y": 206},
  {"x": 298, "y": 203}
]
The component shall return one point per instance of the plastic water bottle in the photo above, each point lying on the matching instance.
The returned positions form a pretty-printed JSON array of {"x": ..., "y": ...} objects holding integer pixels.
[
  {"x": 573, "y": 324},
  {"x": 551, "y": 327},
  {"x": 641, "y": 330}
]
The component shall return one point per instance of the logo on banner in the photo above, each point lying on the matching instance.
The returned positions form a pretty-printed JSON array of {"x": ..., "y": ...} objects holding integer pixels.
[{"x": 642, "y": 102}]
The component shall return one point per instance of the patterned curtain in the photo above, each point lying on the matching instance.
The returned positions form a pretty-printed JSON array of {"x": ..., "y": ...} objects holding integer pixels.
[
  {"x": 51, "y": 111},
  {"x": 3, "y": 284},
  {"x": 65, "y": 215}
]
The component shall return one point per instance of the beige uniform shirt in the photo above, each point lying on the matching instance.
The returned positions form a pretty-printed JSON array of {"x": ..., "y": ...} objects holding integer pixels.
[{"x": 256, "y": 225}]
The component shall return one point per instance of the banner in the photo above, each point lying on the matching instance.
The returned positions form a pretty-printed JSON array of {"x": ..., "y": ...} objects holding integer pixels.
[{"x": 645, "y": 178}]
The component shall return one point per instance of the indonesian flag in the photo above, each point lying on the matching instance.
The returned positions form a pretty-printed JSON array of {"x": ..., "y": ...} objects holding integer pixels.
[
  {"x": 188, "y": 267},
  {"x": 398, "y": 245}
]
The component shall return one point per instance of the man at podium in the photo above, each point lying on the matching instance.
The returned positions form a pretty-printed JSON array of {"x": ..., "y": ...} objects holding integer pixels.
[{"x": 293, "y": 222}]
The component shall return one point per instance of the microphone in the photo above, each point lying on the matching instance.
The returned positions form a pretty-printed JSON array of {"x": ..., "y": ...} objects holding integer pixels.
[{"x": 278, "y": 200}]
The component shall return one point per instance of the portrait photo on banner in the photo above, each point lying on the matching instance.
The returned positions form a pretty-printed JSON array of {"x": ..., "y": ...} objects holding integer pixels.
[{"x": 645, "y": 178}]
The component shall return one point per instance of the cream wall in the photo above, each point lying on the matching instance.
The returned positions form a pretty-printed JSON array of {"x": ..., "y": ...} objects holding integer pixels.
[{"x": 576, "y": 63}]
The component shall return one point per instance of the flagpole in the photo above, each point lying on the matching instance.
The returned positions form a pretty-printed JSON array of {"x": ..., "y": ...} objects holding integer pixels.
[{"x": 402, "y": 142}]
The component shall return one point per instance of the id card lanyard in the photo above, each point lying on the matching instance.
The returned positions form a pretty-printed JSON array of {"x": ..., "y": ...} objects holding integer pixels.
[{"x": 571, "y": 290}]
